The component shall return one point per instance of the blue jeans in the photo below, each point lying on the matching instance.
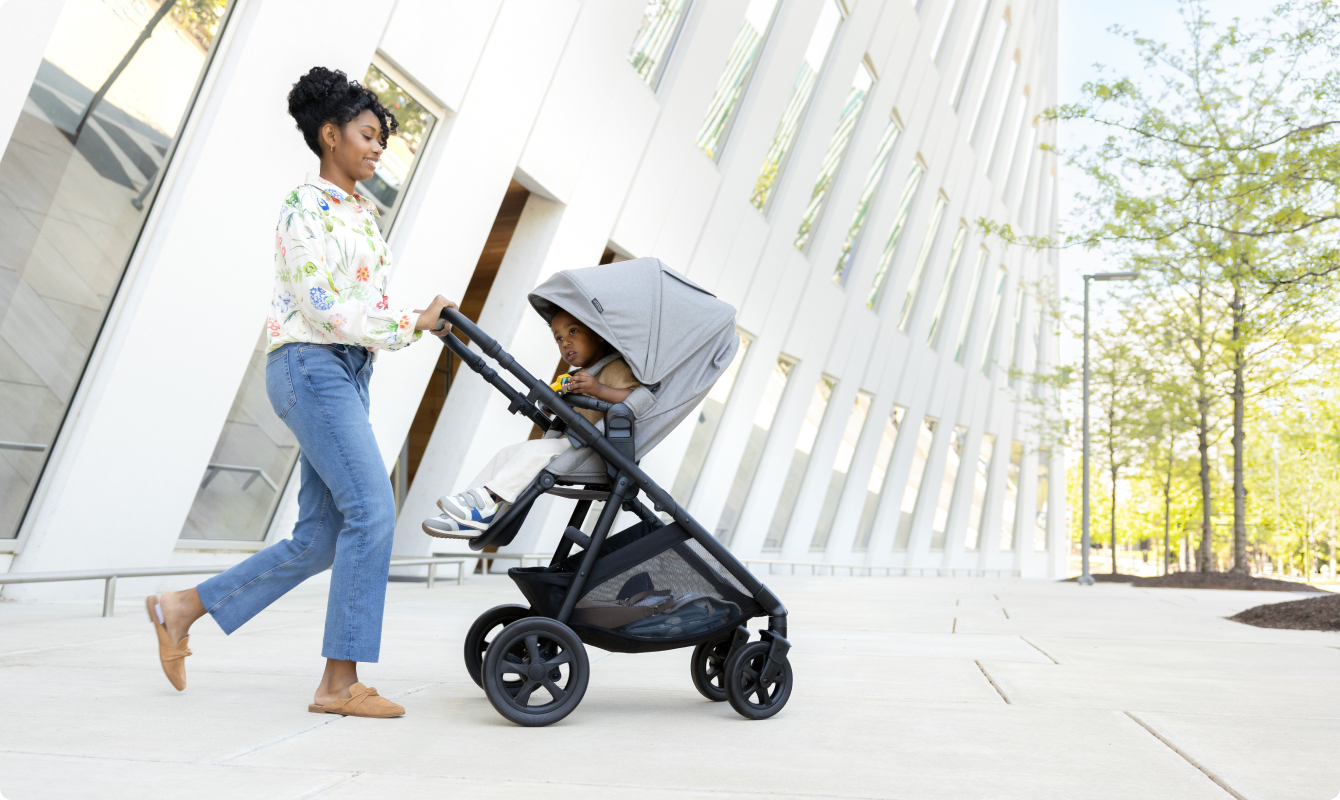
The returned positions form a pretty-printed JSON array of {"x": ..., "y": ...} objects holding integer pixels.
[{"x": 346, "y": 509}]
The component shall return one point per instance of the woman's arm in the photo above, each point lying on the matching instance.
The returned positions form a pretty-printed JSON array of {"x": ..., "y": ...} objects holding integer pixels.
[{"x": 339, "y": 302}]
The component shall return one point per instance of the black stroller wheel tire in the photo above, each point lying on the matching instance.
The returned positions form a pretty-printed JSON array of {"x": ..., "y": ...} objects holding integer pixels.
[
  {"x": 477, "y": 642},
  {"x": 708, "y": 669},
  {"x": 747, "y": 695},
  {"x": 531, "y": 659}
]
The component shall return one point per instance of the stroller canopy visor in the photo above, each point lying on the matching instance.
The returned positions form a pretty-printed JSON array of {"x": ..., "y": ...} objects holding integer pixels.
[{"x": 655, "y": 317}]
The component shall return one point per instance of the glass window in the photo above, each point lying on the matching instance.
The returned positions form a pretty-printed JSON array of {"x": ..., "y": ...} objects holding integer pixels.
[
  {"x": 961, "y": 79},
  {"x": 1008, "y": 514},
  {"x": 925, "y": 436},
  {"x": 994, "y": 136},
  {"x": 947, "y": 288},
  {"x": 1015, "y": 180},
  {"x": 809, "y": 431},
  {"x": 661, "y": 21},
  {"x": 705, "y": 429},
  {"x": 980, "y": 481},
  {"x": 837, "y": 149},
  {"x": 993, "y": 323},
  {"x": 1016, "y": 339},
  {"x": 816, "y": 53},
  {"x": 254, "y": 456},
  {"x": 1040, "y": 518},
  {"x": 945, "y": 502},
  {"x": 1020, "y": 114},
  {"x": 968, "y": 318},
  {"x": 919, "y": 269},
  {"x": 895, "y": 233},
  {"x": 872, "y": 180},
  {"x": 753, "y": 451},
  {"x": 943, "y": 29},
  {"x": 739, "y": 69},
  {"x": 77, "y": 178},
  {"x": 1001, "y": 29},
  {"x": 878, "y": 476},
  {"x": 841, "y": 466}
]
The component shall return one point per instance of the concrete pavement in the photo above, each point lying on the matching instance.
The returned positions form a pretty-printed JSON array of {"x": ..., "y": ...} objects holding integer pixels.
[{"x": 905, "y": 688}]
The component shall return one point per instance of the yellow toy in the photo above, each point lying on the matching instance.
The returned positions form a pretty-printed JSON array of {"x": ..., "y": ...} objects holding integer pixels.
[{"x": 561, "y": 383}]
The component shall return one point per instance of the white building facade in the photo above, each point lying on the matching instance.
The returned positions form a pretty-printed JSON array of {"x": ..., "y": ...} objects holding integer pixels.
[{"x": 822, "y": 165}]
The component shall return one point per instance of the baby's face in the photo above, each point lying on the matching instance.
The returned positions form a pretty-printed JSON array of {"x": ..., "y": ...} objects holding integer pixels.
[{"x": 577, "y": 345}]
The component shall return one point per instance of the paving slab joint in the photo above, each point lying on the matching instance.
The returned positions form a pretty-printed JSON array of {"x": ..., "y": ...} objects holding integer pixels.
[
  {"x": 1040, "y": 650},
  {"x": 1220, "y": 782},
  {"x": 993, "y": 683}
]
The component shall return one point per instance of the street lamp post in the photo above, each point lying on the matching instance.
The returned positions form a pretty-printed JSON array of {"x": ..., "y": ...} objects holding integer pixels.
[{"x": 1085, "y": 579}]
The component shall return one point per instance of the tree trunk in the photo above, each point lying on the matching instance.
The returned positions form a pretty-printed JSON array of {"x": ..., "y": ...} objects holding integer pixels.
[
  {"x": 1204, "y": 557},
  {"x": 1114, "y": 519},
  {"x": 1240, "y": 563},
  {"x": 1167, "y": 512}
]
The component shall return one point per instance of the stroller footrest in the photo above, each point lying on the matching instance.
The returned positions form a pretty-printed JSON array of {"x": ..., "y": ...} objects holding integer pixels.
[{"x": 578, "y": 538}]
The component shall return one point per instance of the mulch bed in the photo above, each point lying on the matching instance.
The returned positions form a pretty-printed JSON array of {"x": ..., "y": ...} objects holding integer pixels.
[
  {"x": 1222, "y": 580},
  {"x": 1312, "y": 614}
]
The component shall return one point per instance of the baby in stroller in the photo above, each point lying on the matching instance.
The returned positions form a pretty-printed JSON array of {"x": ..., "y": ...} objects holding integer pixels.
[{"x": 601, "y": 373}]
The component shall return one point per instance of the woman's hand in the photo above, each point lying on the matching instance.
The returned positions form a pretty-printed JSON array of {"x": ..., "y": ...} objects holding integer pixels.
[{"x": 429, "y": 317}]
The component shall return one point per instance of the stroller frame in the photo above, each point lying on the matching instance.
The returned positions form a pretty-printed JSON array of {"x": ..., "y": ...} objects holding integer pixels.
[{"x": 625, "y": 479}]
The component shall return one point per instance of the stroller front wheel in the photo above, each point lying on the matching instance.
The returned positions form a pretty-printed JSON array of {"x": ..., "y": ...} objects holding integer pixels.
[
  {"x": 536, "y": 671},
  {"x": 708, "y": 669},
  {"x": 746, "y": 689},
  {"x": 477, "y": 642}
]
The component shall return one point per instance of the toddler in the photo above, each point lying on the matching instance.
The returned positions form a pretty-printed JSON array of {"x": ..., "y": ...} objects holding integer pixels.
[{"x": 602, "y": 373}]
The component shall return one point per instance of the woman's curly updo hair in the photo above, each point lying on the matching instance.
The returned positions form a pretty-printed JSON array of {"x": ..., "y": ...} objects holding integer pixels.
[{"x": 324, "y": 95}]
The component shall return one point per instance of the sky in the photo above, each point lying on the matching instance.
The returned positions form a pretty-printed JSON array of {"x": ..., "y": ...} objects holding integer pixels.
[{"x": 1084, "y": 41}]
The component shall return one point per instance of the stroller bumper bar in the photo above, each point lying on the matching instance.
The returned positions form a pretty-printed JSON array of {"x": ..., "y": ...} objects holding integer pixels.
[{"x": 580, "y": 430}]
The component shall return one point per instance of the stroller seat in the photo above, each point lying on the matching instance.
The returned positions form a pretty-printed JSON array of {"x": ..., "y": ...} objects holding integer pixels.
[{"x": 653, "y": 585}]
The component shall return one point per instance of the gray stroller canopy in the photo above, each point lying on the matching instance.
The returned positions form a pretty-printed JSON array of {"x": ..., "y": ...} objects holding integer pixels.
[{"x": 670, "y": 331}]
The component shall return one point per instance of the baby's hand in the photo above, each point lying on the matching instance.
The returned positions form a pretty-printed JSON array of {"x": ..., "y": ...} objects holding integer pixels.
[{"x": 582, "y": 383}]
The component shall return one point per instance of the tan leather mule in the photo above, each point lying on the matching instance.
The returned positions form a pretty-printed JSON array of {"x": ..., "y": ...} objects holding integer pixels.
[
  {"x": 172, "y": 657},
  {"x": 363, "y": 702}
]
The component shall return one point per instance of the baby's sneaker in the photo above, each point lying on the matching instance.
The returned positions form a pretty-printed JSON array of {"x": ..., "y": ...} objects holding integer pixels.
[
  {"x": 475, "y": 508},
  {"x": 444, "y": 527}
]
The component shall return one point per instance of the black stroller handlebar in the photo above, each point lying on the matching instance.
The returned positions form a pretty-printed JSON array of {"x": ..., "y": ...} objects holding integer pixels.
[{"x": 581, "y": 430}]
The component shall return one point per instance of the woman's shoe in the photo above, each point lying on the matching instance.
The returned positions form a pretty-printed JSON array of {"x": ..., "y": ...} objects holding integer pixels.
[
  {"x": 444, "y": 527},
  {"x": 172, "y": 657},
  {"x": 363, "y": 702},
  {"x": 475, "y": 508}
]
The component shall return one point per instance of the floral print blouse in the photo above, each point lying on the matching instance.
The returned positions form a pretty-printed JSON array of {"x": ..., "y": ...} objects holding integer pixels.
[{"x": 331, "y": 267}]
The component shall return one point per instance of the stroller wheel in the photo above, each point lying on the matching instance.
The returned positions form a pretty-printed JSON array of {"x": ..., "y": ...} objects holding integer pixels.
[
  {"x": 476, "y": 641},
  {"x": 535, "y": 671},
  {"x": 709, "y": 669},
  {"x": 748, "y": 694}
]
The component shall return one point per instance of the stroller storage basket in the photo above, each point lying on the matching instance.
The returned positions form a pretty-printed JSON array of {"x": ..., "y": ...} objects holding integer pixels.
[{"x": 650, "y": 589}]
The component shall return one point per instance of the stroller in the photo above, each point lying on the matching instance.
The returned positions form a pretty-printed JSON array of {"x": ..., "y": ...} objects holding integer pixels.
[{"x": 652, "y": 586}]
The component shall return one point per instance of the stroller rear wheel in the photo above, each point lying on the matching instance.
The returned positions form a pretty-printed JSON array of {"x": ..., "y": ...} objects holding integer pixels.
[
  {"x": 708, "y": 669},
  {"x": 748, "y": 693},
  {"x": 536, "y": 671},
  {"x": 476, "y": 641}
]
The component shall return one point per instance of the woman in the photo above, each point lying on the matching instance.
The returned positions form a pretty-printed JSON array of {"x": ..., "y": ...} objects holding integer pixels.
[{"x": 328, "y": 314}]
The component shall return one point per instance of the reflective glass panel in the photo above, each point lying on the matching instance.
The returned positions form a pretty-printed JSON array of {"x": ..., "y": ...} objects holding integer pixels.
[
  {"x": 800, "y": 460},
  {"x": 895, "y": 234},
  {"x": 925, "y": 436},
  {"x": 255, "y": 454},
  {"x": 947, "y": 287},
  {"x": 1010, "y": 511},
  {"x": 739, "y": 69},
  {"x": 1044, "y": 496},
  {"x": 945, "y": 502},
  {"x": 994, "y": 62},
  {"x": 705, "y": 429},
  {"x": 816, "y": 53},
  {"x": 661, "y": 21},
  {"x": 923, "y": 257},
  {"x": 980, "y": 481},
  {"x": 753, "y": 451},
  {"x": 993, "y": 141},
  {"x": 837, "y": 150},
  {"x": 971, "y": 315},
  {"x": 841, "y": 466},
  {"x": 77, "y": 178},
  {"x": 872, "y": 180},
  {"x": 878, "y": 476},
  {"x": 993, "y": 322},
  {"x": 970, "y": 54},
  {"x": 945, "y": 22},
  {"x": 1016, "y": 338}
]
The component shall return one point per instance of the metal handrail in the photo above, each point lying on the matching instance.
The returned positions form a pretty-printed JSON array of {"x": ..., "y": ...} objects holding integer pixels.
[
  {"x": 256, "y": 472},
  {"x": 26, "y": 446},
  {"x": 110, "y": 575},
  {"x": 869, "y": 569}
]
